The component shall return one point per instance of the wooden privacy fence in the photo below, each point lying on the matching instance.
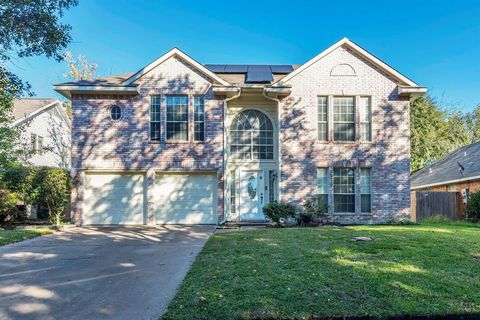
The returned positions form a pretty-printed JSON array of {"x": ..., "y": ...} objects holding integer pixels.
[{"x": 425, "y": 204}]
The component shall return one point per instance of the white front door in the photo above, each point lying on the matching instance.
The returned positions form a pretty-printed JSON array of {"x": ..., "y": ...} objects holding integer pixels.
[{"x": 252, "y": 195}]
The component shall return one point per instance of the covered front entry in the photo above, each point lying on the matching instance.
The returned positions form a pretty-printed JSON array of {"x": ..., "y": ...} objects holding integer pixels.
[
  {"x": 252, "y": 195},
  {"x": 252, "y": 158}
]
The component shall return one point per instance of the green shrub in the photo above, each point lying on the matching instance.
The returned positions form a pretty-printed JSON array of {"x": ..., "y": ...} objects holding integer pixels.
[
  {"x": 40, "y": 186},
  {"x": 276, "y": 211},
  {"x": 312, "y": 210},
  {"x": 473, "y": 207},
  {"x": 54, "y": 191},
  {"x": 8, "y": 208},
  {"x": 436, "y": 219}
]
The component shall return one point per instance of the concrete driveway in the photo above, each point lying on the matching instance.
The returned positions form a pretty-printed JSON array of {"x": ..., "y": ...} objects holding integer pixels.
[{"x": 97, "y": 272}]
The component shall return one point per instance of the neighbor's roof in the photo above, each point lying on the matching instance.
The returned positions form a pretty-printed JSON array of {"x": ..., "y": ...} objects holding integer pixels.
[
  {"x": 447, "y": 170},
  {"x": 26, "y": 106}
]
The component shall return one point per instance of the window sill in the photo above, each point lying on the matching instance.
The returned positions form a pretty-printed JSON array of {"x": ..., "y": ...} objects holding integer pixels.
[{"x": 176, "y": 142}]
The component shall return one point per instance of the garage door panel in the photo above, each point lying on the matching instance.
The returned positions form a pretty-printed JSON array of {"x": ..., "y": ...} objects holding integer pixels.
[
  {"x": 185, "y": 199},
  {"x": 114, "y": 199}
]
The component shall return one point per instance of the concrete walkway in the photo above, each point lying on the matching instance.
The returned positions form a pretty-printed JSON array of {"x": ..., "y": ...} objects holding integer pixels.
[{"x": 97, "y": 272}]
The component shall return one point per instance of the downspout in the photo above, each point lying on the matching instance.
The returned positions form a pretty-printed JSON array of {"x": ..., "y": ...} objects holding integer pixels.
[
  {"x": 279, "y": 175},
  {"x": 225, "y": 158}
]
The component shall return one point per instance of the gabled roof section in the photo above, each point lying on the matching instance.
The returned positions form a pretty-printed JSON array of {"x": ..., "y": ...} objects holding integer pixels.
[
  {"x": 459, "y": 165},
  {"x": 27, "y": 108},
  {"x": 359, "y": 50},
  {"x": 183, "y": 56}
]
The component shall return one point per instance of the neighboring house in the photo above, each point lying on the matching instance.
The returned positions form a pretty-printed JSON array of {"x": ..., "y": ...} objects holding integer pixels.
[
  {"x": 459, "y": 171},
  {"x": 45, "y": 129},
  {"x": 183, "y": 142}
]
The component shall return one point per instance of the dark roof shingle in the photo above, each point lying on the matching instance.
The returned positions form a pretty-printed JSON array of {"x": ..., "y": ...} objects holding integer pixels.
[{"x": 448, "y": 168}]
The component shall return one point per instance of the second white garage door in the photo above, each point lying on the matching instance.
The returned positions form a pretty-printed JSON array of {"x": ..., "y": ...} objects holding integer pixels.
[{"x": 185, "y": 199}]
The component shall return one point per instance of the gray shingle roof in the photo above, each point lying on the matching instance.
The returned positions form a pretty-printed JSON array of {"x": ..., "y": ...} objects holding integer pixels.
[
  {"x": 114, "y": 80},
  {"x": 448, "y": 168},
  {"x": 25, "y": 106},
  {"x": 238, "y": 73}
]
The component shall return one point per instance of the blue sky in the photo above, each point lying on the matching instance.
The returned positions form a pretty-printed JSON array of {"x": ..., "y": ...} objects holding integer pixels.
[{"x": 435, "y": 43}]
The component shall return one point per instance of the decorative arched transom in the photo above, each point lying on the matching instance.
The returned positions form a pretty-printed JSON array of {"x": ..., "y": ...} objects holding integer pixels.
[{"x": 251, "y": 136}]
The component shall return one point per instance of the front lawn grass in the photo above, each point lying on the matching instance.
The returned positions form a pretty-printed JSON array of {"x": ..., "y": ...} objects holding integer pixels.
[
  {"x": 320, "y": 272},
  {"x": 10, "y": 236}
]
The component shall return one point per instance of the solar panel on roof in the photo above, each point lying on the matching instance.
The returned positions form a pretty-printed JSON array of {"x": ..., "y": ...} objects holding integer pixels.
[
  {"x": 259, "y": 67},
  {"x": 236, "y": 68},
  {"x": 259, "y": 76},
  {"x": 215, "y": 67},
  {"x": 281, "y": 68}
]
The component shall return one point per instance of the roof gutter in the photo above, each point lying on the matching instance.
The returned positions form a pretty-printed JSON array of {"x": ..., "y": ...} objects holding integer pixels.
[
  {"x": 445, "y": 182},
  {"x": 67, "y": 91}
]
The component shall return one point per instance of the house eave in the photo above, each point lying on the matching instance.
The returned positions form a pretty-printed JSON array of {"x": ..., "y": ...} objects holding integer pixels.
[
  {"x": 441, "y": 183},
  {"x": 411, "y": 91},
  {"x": 67, "y": 91}
]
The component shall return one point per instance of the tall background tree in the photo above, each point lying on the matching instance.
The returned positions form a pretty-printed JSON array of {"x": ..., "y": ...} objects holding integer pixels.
[
  {"x": 27, "y": 28},
  {"x": 436, "y": 131},
  {"x": 77, "y": 69}
]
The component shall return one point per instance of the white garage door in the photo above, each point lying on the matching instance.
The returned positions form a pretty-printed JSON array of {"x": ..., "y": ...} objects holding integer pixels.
[
  {"x": 114, "y": 199},
  {"x": 185, "y": 199}
]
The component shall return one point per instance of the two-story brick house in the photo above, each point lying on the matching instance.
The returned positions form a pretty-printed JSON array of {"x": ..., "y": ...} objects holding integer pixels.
[{"x": 182, "y": 142}]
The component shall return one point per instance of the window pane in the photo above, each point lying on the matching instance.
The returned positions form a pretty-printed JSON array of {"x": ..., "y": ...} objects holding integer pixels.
[
  {"x": 251, "y": 136},
  {"x": 177, "y": 118},
  {"x": 199, "y": 119},
  {"x": 271, "y": 186},
  {"x": 364, "y": 180},
  {"x": 365, "y": 119},
  {"x": 322, "y": 180},
  {"x": 344, "y": 118},
  {"x": 322, "y": 118},
  {"x": 155, "y": 118},
  {"x": 232, "y": 192},
  {"x": 344, "y": 190},
  {"x": 365, "y": 201}
]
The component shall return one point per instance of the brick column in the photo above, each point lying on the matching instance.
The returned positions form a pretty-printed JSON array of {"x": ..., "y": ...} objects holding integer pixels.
[
  {"x": 77, "y": 197},
  {"x": 150, "y": 176}
]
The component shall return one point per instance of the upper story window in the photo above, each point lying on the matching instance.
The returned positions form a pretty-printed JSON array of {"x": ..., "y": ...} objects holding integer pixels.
[
  {"x": 36, "y": 142},
  {"x": 251, "y": 136},
  {"x": 323, "y": 118},
  {"x": 344, "y": 118},
  {"x": 365, "y": 109},
  {"x": 199, "y": 119},
  {"x": 155, "y": 118},
  {"x": 115, "y": 113},
  {"x": 177, "y": 118}
]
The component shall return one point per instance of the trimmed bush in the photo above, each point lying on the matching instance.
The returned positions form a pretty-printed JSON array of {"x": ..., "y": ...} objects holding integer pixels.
[
  {"x": 312, "y": 210},
  {"x": 276, "y": 211},
  {"x": 473, "y": 207}
]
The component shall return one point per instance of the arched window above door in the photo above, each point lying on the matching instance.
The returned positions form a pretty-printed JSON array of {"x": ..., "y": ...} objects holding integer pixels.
[{"x": 251, "y": 136}]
